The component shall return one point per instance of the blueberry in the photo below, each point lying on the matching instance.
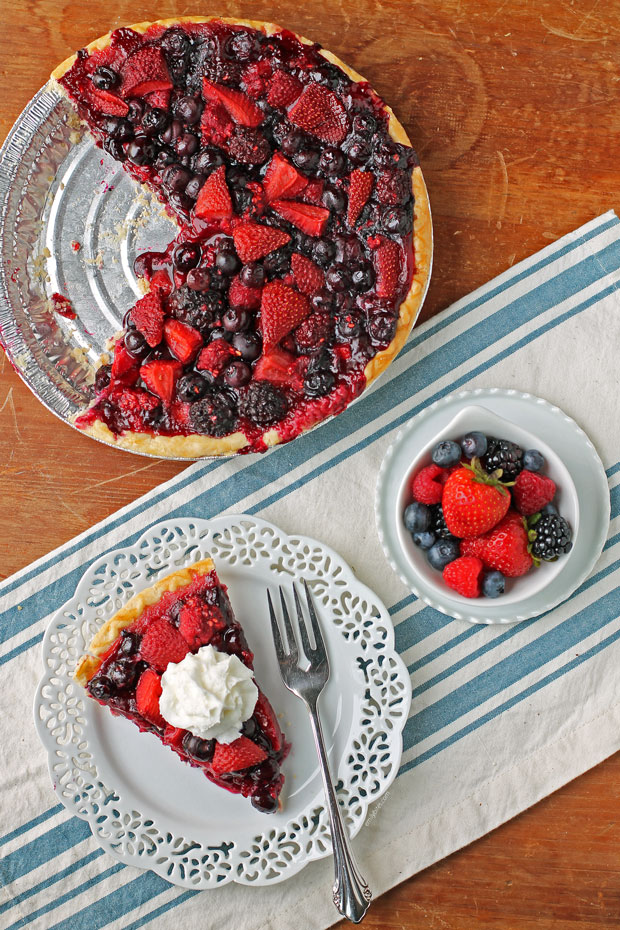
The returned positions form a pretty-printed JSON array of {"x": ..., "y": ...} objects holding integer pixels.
[
  {"x": 186, "y": 144},
  {"x": 493, "y": 584},
  {"x": 264, "y": 802},
  {"x": 186, "y": 256},
  {"x": 200, "y": 749},
  {"x": 417, "y": 518},
  {"x": 191, "y": 387},
  {"x": 135, "y": 343},
  {"x": 198, "y": 279},
  {"x": 236, "y": 319},
  {"x": 424, "y": 540},
  {"x": 102, "y": 378},
  {"x": 333, "y": 199},
  {"x": 104, "y": 78},
  {"x": 550, "y": 508},
  {"x": 154, "y": 120},
  {"x": 248, "y": 344},
  {"x": 252, "y": 275},
  {"x": 130, "y": 643},
  {"x": 306, "y": 159},
  {"x": 237, "y": 373},
  {"x": 188, "y": 109},
  {"x": 533, "y": 460},
  {"x": 194, "y": 186},
  {"x": 443, "y": 552},
  {"x": 446, "y": 453},
  {"x": 228, "y": 263},
  {"x": 101, "y": 687},
  {"x": 474, "y": 444}
]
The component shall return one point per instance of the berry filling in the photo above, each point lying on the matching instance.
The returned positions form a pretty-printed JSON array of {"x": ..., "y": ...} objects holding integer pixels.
[
  {"x": 128, "y": 681},
  {"x": 295, "y": 248}
]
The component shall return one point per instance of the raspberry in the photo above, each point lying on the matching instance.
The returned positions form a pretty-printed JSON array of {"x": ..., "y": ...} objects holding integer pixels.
[
  {"x": 427, "y": 485},
  {"x": 313, "y": 333},
  {"x": 464, "y": 576}
]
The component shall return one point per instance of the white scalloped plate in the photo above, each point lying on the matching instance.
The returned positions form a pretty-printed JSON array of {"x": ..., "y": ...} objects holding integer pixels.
[
  {"x": 145, "y": 806},
  {"x": 583, "y": 494}
]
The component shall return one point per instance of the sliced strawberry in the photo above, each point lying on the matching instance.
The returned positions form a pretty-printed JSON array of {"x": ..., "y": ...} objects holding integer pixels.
[
  {"x": 173, "y": 736},
  {"x": 236, "y": 104},
  {"x": 123, "y": 363},
  {"x": 236, "y": 756},
  {"x": 253, "y": 241},
  {"x": 214, "y": 201},
  {"x": 161, "y": 377},
  {"x": 313, "y": 192},
  {"x": 282, "y": 309},
  {"x": 320, "y": 112},
  {"x": 144, "y": 72},
  {"x": 388, "y": 263},
  {"x": 283, "y": 89},
  {"x": 282, "y": 179},
  {"x": 278, "y": 367},
  {"x": 360, "y": 186},
  {"x": 309, "y": 279},
  {"x": 268, "y": 721},
  {"x": 161, "y": 644},
  {"x": 148, "y": 317},
  {"x": 305, "y": 216},
  {"x": 215, "y": 357},
  {"x": 183, "y": 341},
  {"x": 248, "y": 298},
  {"x": 160, "y": 281},
  {"x": 105, "y": 102},
  {"x": 148, "y": 692}
]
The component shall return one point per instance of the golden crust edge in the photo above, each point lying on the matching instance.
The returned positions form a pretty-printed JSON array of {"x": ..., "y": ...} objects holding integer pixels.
[
  {"x": 197, "y": 445},
  {"x": 135, "y": 606}
]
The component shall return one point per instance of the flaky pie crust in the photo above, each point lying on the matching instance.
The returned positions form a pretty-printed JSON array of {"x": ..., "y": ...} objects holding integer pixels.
[
  {"x": 197, "y": 445},
  {"x": 110, "y": 631}
]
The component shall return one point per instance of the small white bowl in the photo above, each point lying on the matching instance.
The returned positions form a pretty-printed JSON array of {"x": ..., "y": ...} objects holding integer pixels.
[
  {"x": 479, "y": 418},
  {"x": 582, "y": 498}
]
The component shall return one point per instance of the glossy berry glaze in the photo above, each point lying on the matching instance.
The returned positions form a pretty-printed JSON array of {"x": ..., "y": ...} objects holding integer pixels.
[
  {"x": 184, "y": 620},
  {"x": 236, "y": 130}
]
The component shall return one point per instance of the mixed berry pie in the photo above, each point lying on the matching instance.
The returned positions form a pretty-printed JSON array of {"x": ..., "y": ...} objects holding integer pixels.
[
  {"x": 304, "y": 241},
  {"x": 175, "y": 661}
]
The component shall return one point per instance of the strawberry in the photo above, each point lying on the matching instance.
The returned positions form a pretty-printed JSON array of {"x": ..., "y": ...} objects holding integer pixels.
[
  {"x": 215, "y": 357},
  {"x": 473, "y": 502},
  {"x": 241, "y": 296},
  {"x": 283, "y": 89},
  {"x": 236, "y": 104},
  {"x": 236, "y": 756},
  {"x": 160, "y": 282},
  {"x": 305, "y": 216},
  {"x": 268, "y": 721},
  {"x": 161, "y": 378},
  {"x": 504, "y": 548},
  {"x": 360, "y": 186},
  {"x": 427, "y": 484},
  {"x": 145, "y": 71},
  {"x": 309, "y": 279},
  {"x": 161, "y": 644},
  {"x": 313, "y": 192},
  {"x": 105, "y": 102},
  {"x": 279, "y": 367},
  {"x": 282, "y": 309},
  {"x": 282, "y": 178},
  {"x": 147, "y": 316},
  {"x": 253, "y": 241},
  {"x": 182, "y": 340},
  {"x": 464, "y": 576},
  {"x": 532, "y": 491},
  {"x": 214, "y": 201},
  {"x": 388, "y": 263},
  {"x": 173, "y": 736},
  {"x": 123, "y": 364},
  {"x": 320, "y": 112},
  {"x": 148, "y": 692}
]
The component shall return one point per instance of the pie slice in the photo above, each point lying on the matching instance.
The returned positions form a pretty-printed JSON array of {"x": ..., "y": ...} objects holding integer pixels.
[
  {"x": 177, "y": 649},
  {"x": 304, "y": 242}
]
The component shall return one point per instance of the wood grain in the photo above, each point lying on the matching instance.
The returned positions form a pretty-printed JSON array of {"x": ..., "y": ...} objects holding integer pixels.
[{"x": 512, "y": 108}]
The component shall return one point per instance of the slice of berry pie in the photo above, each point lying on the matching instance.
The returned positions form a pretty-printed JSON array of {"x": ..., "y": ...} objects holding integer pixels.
[
  {"x": 175, "y": 661},
  {"x": 304, "y": 243}
]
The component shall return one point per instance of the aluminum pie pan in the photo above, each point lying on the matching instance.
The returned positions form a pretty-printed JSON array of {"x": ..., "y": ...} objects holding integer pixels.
[{"x": 72, "y": 222}]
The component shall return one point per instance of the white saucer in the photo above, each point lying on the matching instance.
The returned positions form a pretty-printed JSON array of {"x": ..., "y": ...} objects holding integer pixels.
[{"x": 572, "y": 462}]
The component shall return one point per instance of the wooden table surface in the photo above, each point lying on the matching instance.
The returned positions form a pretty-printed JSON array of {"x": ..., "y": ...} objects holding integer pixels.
[{"x": 512, "y": 107}]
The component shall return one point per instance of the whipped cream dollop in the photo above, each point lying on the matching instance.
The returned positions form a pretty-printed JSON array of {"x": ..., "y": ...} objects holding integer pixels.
[{"x": 209, "y": 693}]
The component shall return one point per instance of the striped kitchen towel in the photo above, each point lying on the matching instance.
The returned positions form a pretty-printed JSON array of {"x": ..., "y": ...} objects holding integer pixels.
[{"x": 501, "y": 716}]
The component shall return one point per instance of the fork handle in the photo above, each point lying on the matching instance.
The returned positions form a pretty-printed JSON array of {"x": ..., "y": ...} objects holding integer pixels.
[{"x": 351, "y": 893}]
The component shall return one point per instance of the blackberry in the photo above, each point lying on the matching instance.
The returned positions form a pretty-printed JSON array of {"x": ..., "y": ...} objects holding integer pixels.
[
  {"x": 553, "y": 537},
  {"x": 438, "y": 523},
  {"x": 215, "y": 414},
  {"x": 263, "y": 404},
  {"x": 248, "y": 146},
  {"x": 196, "y": 309},
  {"x": 501, "y": 453}
]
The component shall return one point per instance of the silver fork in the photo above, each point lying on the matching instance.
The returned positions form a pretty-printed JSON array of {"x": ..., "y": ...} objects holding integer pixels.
[{"x": 351, "y": 893}]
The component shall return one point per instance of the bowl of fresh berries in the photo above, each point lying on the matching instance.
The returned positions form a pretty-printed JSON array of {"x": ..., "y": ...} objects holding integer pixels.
[{"x": 487, "y": 510}]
